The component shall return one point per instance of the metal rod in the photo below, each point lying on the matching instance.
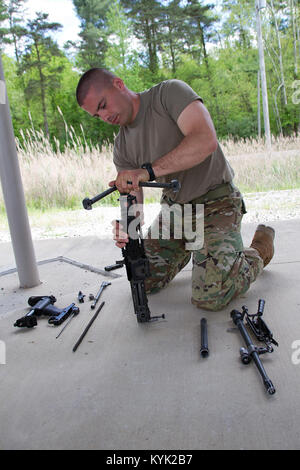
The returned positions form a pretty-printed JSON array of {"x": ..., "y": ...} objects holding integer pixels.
[
  {"x": 87, "y": 327},
  {"x": 66, "y": 324}
]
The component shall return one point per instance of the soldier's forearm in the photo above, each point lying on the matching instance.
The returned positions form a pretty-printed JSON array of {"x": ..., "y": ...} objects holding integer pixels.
[{"x": 191, "y": 151}]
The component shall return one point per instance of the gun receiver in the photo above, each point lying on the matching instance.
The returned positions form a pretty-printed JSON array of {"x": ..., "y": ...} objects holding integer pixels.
[
  {"x": 43, "y": 305},
  {"x": 134, "y": 256}
]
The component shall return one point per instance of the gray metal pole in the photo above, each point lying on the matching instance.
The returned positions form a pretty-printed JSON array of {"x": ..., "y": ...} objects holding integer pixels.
[{"x": 14, "y": 196}]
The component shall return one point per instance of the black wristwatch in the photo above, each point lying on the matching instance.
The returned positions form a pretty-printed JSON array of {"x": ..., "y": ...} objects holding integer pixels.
[{"x": 148, "y": 167}]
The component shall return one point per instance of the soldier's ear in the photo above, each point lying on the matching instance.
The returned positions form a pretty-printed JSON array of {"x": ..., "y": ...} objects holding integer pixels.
[{"x": 118, "y": 83}]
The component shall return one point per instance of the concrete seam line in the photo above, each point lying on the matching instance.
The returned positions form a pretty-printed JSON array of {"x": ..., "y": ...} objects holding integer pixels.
[{"x": 69, "y": 261}]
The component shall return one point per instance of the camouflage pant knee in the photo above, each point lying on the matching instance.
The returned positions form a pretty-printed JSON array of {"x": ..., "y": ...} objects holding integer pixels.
[{"x": 222, "y": 268}]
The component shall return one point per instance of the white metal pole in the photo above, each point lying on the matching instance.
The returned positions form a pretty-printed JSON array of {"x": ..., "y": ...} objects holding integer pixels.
[
  {"x": 258, "y": 105},
  {"x": 14, "y": 198},
  {"x": 259, "y": 4}
]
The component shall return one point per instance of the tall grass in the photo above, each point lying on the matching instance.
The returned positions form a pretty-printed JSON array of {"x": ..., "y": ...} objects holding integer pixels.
[
  {"x": 257, "y": 145},
  {"x": 61, "y": 179},
  {"x": 258, "y": 170},
  {"x": 52, "y": 178}
]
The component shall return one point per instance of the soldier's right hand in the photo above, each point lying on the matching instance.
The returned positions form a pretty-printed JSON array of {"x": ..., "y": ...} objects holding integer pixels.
[{"x": 120, "y": 236}]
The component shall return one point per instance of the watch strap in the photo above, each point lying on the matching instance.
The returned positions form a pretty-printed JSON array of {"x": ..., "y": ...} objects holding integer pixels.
[{"x": 148, "y": 167}]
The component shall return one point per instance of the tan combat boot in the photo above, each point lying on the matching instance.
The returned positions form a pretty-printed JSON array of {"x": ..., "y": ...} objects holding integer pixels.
[{"x": 263, "y": 242}]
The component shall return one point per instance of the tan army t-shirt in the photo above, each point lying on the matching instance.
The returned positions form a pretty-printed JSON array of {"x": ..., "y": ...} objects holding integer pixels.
[{"x": 154, "y": 133}]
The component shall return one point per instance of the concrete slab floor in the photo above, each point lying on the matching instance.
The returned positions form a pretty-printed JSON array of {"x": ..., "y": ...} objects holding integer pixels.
[{"x": 145, "y": 386}]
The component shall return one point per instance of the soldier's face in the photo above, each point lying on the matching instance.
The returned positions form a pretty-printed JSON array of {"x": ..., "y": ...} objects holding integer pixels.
[{"x": 112, "y": 104}]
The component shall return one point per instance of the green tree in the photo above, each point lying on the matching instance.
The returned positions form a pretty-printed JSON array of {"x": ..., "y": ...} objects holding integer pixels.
[
  {"x": 15, "y": 9},
  {"x": 3, "y": 29},
  {"x": 15, "y": 93},
  {"x": 172, "y": 34},
  {"x": 199, "y": 23},
  {"x": 40, "y": 49},
  {"x": 93, "y": 34},
  {"x": 121, "y": 56},
  {"x": 279, "y": 32},
  {"x": 118, "y": 55},
  {"x": 240, "y": 22},
  {"x": 147, "y": 16}
]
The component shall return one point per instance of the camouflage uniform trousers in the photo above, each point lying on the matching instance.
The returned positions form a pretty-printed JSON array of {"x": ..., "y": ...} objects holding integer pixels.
[{"x": 222, "y": 269}]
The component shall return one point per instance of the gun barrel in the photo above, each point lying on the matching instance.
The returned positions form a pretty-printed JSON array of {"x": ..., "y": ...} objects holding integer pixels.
[
  {"x": 87, "y": 203},
  {"x": 237, "y": 318},
  {"x": 204, "y": 351}
]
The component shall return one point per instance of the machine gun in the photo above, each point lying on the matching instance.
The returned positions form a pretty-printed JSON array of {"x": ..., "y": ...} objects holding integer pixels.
[
  {"x": 134, "y": 256},
  {"x": 262, "y": 333}
]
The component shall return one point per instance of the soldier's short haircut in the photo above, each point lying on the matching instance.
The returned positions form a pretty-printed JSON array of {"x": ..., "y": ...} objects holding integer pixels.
[{"x": 100, "y": 78}]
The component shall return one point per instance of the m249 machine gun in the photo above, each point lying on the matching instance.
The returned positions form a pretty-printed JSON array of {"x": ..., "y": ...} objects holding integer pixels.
[{"x": 134, "y": 256}]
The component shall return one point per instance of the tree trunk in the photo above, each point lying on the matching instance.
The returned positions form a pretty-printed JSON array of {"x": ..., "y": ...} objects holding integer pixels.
[
  {"x": 283, "y": 89},
  {"x": 294, "y": 29},
  {"x": 43, "y": 93}
]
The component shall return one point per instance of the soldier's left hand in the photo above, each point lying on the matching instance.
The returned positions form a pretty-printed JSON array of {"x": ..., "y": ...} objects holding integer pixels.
[{"x": 128, "y": 180}]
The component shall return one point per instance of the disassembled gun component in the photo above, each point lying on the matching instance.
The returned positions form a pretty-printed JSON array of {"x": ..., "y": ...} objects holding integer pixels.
[
  {"x": 103, "y": 285},
  {"x": 80, "y": 297},
  {"x": 87, "y": 327},
  {"x": 204, "y": 351},
  {"x": 73, "y": 314},
  {"x": 43, "y": 305},
  {"x": 262, "y": 333}
]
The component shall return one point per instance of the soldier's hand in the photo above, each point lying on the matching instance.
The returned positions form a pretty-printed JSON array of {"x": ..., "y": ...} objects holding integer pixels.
[
  {"x": 120, "y": 236},
  {"x": 134, "y": 177}
]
